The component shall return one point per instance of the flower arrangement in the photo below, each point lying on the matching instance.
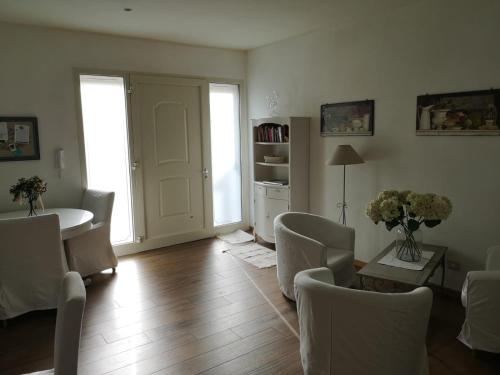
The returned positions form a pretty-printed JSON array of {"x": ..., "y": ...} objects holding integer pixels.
[
  {"x": 409, "y": 210},
  {"x": 29, "y": 190}
]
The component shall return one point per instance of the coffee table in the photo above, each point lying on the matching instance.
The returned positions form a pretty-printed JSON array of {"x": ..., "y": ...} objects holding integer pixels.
[{"x": 375, "y": 271}]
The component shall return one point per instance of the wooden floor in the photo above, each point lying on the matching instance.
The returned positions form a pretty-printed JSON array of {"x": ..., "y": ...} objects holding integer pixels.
[{"x": 191, "y": 309}]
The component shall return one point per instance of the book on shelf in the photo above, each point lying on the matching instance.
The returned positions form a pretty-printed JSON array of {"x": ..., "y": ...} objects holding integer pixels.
[{"x": 272, "y": 133}]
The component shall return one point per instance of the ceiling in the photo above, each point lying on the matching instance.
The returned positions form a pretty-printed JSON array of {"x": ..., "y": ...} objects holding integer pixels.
[{"x": 237, "y": 24}]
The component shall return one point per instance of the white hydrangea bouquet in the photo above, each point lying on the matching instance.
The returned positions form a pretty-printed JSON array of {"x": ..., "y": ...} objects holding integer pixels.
[{"x": 409, "y": 210}]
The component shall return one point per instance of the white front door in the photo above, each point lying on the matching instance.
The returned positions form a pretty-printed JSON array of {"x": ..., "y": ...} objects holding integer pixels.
[{"x": 168, "y": 116}]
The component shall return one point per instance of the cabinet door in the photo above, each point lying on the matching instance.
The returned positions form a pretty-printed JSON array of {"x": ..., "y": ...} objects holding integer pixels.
[
  {"x": 260, "y": 211},
  {"x": 274, "y": 208}
]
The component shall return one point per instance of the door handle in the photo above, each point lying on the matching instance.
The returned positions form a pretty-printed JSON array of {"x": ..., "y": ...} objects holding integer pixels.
[
  {"x": 204, "y": 172},
  {"x": 135, "y": 165}
]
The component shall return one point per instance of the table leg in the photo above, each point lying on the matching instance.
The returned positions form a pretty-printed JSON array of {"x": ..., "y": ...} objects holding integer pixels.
[{"x": 443, "y": 273}]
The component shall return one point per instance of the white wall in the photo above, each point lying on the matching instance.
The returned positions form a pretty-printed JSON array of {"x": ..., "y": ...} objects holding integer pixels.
[
  {"x": 36, "y": 78},
  {"x": 429, "y": 47}
]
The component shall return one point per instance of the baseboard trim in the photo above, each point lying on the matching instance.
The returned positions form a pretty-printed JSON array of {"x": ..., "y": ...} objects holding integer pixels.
[{"x": 159, "y": 242}]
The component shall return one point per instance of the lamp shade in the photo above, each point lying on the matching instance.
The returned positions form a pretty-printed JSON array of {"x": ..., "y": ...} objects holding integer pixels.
[{"x": 345, "y": 155}]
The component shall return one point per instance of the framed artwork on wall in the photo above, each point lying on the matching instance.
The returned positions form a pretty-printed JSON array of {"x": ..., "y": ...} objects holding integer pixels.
[
  {"x": 459, "y": 113},
  {"x": 19, "y": 139},
  {"x": 349, "y": 118}
]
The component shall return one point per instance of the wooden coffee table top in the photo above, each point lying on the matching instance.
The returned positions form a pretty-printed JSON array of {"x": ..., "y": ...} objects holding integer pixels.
[{"x": 402, "y": 275}]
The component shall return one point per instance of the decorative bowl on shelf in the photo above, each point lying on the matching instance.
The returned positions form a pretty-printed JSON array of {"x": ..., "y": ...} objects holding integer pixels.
[{"x": 274, "y": 159}]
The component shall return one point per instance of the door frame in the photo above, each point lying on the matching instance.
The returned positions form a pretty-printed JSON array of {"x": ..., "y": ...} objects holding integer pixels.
[{"x": 136, "y": 178}]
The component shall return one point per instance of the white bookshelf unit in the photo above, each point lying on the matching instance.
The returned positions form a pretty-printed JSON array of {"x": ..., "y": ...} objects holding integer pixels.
[{"x": 279, "y": 187}]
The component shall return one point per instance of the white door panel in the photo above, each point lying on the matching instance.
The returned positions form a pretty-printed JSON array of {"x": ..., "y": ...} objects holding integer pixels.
[{"x": 167, "y": 118}]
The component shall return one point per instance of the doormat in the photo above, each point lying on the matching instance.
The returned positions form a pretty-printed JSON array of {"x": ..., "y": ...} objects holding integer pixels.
[
  {"x": 238, "y": 236},
  {"x": 255, "y": 254}
]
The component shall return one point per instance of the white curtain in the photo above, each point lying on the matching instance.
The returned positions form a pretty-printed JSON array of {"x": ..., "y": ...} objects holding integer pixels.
[{"x": 225, "y": 144}]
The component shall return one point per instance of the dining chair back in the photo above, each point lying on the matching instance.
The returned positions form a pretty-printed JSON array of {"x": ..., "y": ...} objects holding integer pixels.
[
  {"x": 100, "y": 203},
  {"x": 92, "y": 252},
  {"x": 69, "y": 324},
  {"x": 70, "y": 309},
  {"x": 32, "y": 264}
]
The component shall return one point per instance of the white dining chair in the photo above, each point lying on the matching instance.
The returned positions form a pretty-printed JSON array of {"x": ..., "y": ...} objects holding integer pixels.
[
  {"x": 355, "y": 332},
  {"x": 68, "y": 326},
  {"x": 305, "y": 241},
  {"x": 32, "y": 264},
  {"x": 481, "y": 300},
  {"x": 92, "y": 252}
]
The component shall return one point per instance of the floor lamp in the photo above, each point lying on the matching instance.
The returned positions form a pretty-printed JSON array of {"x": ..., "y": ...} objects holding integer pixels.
[{"x": 344, "y": 155}]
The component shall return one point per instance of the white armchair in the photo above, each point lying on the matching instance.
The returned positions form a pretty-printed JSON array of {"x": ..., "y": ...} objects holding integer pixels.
[
  {"x": 481, "y": 299},
  {"x": 91, "y": 252},
  {"x": 354, "y": 332},
  {"x": 305, "y": 241},
  {"x": 32, "y": 264}
]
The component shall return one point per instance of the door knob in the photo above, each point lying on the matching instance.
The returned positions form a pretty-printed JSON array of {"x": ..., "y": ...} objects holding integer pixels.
[
  {"x": 135, "y": 165},
  {"x": 205, "y": 173}
]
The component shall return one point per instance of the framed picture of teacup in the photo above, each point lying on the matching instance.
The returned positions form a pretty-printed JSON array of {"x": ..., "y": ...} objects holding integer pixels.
[
  {"x": 459, "y": 113},
  {"x": 349, "y": 118}
]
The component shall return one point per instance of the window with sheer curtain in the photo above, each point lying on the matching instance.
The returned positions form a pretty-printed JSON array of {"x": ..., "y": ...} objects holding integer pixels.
[
  {"x": 226, "y": 154},
  {"x": 104, "y": 115}
]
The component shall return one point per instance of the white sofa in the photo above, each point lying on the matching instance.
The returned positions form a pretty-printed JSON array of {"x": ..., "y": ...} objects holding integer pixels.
[
  {"x": 354, "y": 332},
  {"x": 305, "y": 241},
  {"x": 481, "y": 299}
]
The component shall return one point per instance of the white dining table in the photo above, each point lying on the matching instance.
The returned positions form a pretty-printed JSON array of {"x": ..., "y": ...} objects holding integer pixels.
[{"x": 73, "y": 221}]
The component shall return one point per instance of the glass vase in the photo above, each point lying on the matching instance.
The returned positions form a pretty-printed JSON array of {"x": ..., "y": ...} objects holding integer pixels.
[
  {"x": 408, "y": 245},
  {"x": 32, "y": 206}
]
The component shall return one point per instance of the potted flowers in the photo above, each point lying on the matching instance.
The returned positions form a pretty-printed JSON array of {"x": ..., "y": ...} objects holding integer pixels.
[
  {"x": 409, "y": 210},
  {"x": 29, "y": 191}
]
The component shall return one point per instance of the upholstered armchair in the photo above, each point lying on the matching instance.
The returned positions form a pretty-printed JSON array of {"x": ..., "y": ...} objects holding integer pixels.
[
  {"x": 481, "y": 299},
  {"x": 91, "y": 252},
  {"x": 305, "y": 241},
  {"x": 346, "y": 331}
]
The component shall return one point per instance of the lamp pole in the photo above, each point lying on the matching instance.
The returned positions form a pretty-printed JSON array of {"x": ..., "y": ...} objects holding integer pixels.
[
  {"x": 344, "y": 155},
  {"x": 343, "y": 218}
]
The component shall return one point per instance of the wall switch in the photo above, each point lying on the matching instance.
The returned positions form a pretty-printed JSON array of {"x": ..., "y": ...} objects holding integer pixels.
[{"x": 453, "y": 265}]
